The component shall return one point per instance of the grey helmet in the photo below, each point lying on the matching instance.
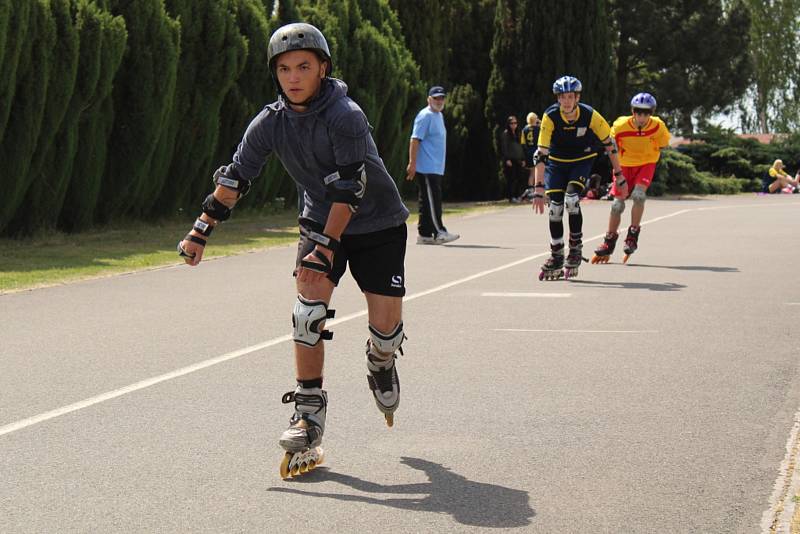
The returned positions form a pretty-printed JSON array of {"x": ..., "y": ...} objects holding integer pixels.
[{"x": 298, "y": 36}]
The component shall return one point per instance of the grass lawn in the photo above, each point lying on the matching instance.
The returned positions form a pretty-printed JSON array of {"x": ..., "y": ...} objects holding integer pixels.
[{"x": 57, "y": 258}]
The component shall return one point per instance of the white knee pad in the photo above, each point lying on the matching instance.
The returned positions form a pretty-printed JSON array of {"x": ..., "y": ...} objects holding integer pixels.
[
  {"x": 308, "y": 319},
  {"x": 556, "y": 211},
  {"x": 387, "y": 344},
  {"x": 573, "y": 203},
  {"x": 618, "y": 206},
  {"x": 638, "y": 196}
]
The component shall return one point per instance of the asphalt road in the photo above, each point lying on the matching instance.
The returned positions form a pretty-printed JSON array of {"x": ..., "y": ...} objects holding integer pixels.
[{"x": 658, "y": 396}]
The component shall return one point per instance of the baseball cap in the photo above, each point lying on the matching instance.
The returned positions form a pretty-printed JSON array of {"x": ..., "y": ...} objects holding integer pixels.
[{"x": 437, "y": 90}]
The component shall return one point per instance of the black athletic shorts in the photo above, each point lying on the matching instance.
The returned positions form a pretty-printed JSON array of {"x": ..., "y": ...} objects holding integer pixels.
[{"x": 377, "y": 259}]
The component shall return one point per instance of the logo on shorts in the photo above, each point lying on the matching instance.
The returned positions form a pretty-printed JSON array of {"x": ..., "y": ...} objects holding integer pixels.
[{"x": 397, "y": 281}]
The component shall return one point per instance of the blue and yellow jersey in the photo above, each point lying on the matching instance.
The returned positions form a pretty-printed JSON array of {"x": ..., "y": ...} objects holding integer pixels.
[
  {"x": 529, "y": 137},
  {"x": 576, "y": 140}
]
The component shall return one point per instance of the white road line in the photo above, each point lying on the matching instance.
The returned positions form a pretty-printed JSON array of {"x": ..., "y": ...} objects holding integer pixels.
[
  {"x": 777, "y": 518},
  {"x": 530, "y": 295},
  {"x": 97, "y": 399},
  {"x": 576, "y": 331}
]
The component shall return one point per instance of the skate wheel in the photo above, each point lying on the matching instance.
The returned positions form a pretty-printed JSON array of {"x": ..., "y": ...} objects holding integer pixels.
[
  {"x": 541, "y": 276},
  {"x": 299, "y": 463},
  {"x": 389, "y": 419},
  {"x": 284, "y": 469},
  {"x": 625, "y": 259}
]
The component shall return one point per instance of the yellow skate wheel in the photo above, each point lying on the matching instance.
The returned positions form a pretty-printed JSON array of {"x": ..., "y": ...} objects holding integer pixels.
[
  {"x": 304, "y": 468},
  {"x": 389, "y": 419},
  {"x": 295, "y": 470},
  {"x": 285, "y": 465},
  {"x": 625, "y": 259}
]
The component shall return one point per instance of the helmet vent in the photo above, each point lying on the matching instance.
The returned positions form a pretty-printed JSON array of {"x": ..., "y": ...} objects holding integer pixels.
[{"x": 300, "y": 35}]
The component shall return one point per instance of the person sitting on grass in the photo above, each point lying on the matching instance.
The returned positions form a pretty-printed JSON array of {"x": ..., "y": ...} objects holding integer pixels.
[{"x": 778, "y": 180}]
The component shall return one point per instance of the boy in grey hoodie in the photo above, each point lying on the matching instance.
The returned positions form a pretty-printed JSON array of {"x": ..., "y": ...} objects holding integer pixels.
[{"x": 352, "y": 214}]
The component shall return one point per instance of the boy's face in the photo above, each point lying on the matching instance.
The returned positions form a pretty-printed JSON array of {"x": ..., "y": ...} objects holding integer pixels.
[
  {"x": 641, "y": 116},
  {"x": 300, "y": 73},
  {"x": 568, "y": 101}
]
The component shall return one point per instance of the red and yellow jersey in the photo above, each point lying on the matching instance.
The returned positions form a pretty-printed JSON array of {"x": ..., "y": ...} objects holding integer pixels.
[{"x": 639, "y": 146}]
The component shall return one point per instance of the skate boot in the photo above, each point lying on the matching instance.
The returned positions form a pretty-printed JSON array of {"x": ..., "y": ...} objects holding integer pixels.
[
  {"x": 383, "y": 381},
  {"x": 301, "y": 440},
  {"x": 603, "y": 253},
  {"x": 553, "y": 267},
  {"x": 631, "y": 242},
  {"x": 574, "y": 258}
]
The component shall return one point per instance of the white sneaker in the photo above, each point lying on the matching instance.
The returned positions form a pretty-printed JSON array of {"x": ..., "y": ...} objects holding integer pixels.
[
  {"x": 446, "y": 237},
  {"x": 425, "y": 240}
]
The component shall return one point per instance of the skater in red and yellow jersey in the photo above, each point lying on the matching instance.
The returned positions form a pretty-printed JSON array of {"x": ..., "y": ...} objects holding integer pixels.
[{"x": 639, "y": 138}]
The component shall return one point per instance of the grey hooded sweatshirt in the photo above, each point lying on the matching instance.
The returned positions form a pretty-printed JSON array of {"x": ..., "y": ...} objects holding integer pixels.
[{"x": 311, "y": 145}]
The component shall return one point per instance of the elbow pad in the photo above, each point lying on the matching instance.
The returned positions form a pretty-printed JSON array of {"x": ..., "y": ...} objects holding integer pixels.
[
  {"x": 228, "y": 178},
  {"x": 347, "y": 185}
]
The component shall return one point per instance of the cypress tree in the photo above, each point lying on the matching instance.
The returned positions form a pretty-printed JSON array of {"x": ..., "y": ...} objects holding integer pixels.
[
  {"x": 15, "y": 20},
  {"x": 501, "y": 94},
  {"x": 213, "y": 54},
  {"x": 589, "y": 57},
  {"x": 143, "y": 96},
  {"x": 426, "y": 29},
  {"x": 33, "y": 77},
  {"x": 470, "y": 161},
  {"x": 102, "y": 45},
  {"x": 43, "y": 200},
  {"x": 252, "y": 91}
]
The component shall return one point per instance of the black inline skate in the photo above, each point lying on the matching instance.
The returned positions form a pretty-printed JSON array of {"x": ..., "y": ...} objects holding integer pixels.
[
  {"x": 603, "y": 253},
  {"x": 631, "y": 242},
  {"x": 574, "y": 258},
  {"x": 553, "y": 267}
]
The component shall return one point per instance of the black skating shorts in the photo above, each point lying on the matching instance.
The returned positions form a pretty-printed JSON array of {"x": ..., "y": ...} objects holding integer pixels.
[{"x": 376, "y": 259}]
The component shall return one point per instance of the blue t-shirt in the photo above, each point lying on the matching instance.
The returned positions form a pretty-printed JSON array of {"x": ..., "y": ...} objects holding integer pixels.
[{"x": 429, "y": 129}]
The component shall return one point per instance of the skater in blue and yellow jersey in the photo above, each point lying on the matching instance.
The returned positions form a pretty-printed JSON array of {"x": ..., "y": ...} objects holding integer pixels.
[
  {"x": 640, "y": 137},
  {"x": 529, "y": 140},
  {"x": 568, "y": 140},
  {"x": 352, "y": 216}
]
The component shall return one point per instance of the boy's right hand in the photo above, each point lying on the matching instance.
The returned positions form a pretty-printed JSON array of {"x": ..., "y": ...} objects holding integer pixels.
[{"x": 190, "y": 251}]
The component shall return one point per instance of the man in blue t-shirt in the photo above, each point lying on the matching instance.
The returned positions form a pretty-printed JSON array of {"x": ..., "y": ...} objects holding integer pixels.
[{"x": 426, "y": 154}]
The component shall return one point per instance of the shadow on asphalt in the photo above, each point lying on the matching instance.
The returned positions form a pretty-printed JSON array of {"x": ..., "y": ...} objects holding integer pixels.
[
  {"x": 468, "y": 502},
  {"x": 690, "y": 267},
  {"x": 669, "y": 286},
  {"x": 449, "y": 245}
]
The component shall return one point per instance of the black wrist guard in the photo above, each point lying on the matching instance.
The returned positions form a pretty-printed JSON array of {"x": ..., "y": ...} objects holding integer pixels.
[
  {"x": 202, "y": 227},
  {"x": 539, "y": 157},
  {"x": 216, "y": 209},
  {"x": 321, "y": 239}
]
